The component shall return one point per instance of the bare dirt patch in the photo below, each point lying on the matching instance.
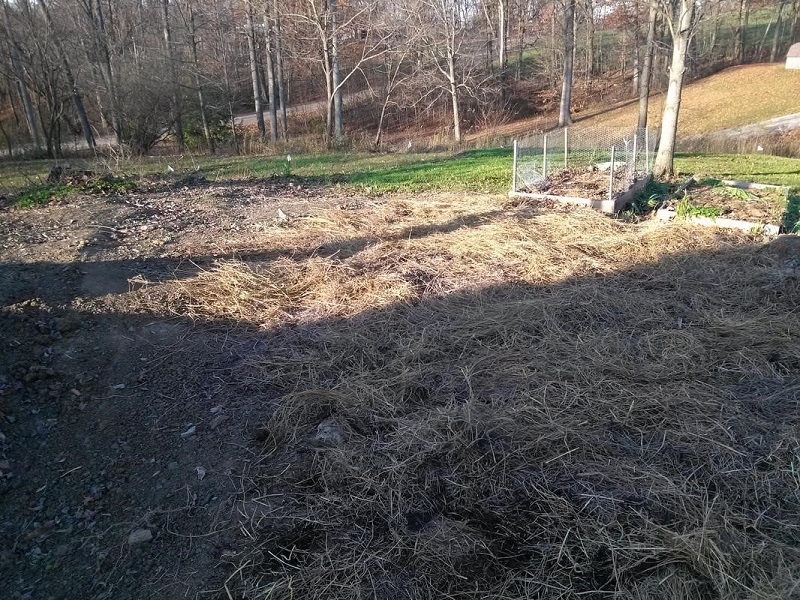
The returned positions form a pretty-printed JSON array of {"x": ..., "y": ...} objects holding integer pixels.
[{"x": 408, "y": 396}]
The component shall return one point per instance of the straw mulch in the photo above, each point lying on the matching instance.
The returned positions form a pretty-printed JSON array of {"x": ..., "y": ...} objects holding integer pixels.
[{"x": 487, "y": 400}]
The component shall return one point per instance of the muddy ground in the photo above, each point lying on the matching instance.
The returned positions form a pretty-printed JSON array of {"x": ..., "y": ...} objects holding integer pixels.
[{"x": 125, "y": 436}]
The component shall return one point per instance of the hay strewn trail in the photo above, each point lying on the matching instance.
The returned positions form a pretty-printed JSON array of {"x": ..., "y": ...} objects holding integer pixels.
[{"x": 486, "y": 400}]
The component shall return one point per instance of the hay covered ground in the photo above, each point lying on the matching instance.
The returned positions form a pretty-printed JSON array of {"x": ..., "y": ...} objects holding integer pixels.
[{"x": 476, "y": 398}]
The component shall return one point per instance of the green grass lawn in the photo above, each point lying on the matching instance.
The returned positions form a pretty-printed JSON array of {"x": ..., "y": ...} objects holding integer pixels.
[
  {"x": 486, "y": 170},
  {"x": 758, "y": 168}
]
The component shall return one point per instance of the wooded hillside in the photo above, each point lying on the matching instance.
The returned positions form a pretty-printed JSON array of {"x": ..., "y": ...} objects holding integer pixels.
[{"x": 141, "y": 71}]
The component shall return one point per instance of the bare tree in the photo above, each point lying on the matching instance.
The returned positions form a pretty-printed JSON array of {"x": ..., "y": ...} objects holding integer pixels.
[
  {"x": 22, "y": 88},
  {"x": 276, "y": 24},
  {"x": 680, "y": 17},
  {"x": 177, "y": 116},
  {"x": 197, "y": 77},
  {"x": 773, "y": 54},
  {"x": 269, "y": 59},
  {"x": 73, "y": 85},
  {"x": 564, "y": 116},
  {"x": 255, "y": 72},
  {"x": 647, "y": 66}
]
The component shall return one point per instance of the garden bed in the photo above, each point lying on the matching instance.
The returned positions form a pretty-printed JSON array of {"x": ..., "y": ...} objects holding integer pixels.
[
  {"x": 587, "y": 187},
  {"x": 732, "y": 204}
]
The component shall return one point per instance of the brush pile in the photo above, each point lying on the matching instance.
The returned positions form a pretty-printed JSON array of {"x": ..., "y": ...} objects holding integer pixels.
[{"x": 485, "y": 400}]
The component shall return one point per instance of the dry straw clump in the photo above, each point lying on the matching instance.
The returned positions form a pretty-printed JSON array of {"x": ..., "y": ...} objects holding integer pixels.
[{"x": 526, "y": 403}]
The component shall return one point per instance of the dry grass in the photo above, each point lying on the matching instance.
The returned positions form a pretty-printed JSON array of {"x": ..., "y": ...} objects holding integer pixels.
[
  {"x": 526, "y": 404},
  {"x": 734, "y": 97}
]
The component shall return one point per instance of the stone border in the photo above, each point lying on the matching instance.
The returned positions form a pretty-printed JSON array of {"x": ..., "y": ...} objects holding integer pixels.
[
  {"x": 611, "y": 206},
  {"x": 667, "y": 214}
]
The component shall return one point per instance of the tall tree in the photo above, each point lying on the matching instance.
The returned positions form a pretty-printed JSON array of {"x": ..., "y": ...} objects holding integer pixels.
[
  {"x": 77, "y": 98},
  {"x": 198, "y": 83},
  {"x": 564, "y": 113},
  {"x": 175, "y": 104},
  {"x": 773, "y": 54},
  {"x": 680, "y": 18},
  {"x": 255, "y": 72},
  {"x": 647, "y": 66},
  {"x": 269, "y": 59},
  {"x": 276, "y": 24},
  {"x": 19, "y": 74}
]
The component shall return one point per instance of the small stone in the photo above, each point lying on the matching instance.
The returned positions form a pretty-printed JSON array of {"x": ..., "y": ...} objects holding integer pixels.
[
  {"x": 218, "y": 420},
  {"x": 216, "y": 410},
  {"x": 189, "y": 432},
  {"x": 201, "y": 472},
  {"x": 329, "y": 432},
  {"x": 119, "y": 386},
  {"x": 140, "y": 536}
]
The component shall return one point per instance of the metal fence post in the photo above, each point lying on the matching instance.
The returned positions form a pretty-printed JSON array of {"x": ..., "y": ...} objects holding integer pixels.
[
  {"x": 514, "y": 172},
  {"x": 635, "y": 139},
  {"x": 566, "y": 145},
  {"x": 647, "y": 148},
  {"x": 611, "y": 176},
  {"x": 544, "y": 159}
]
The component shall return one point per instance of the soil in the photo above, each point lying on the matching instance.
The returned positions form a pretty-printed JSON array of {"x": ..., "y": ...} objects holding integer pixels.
[
  {"x": 581, "y": 183},
  {"x": 125, "y": 441},
  {"x": 754, "y": 205}
]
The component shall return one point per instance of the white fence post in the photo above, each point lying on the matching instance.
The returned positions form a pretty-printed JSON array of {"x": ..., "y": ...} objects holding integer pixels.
[
  {"x": 566, "y": 145},
  {"x": 514, "y": 173},
  {"x": 544, "y": 157},
  {"x": 611, "y": 176}
]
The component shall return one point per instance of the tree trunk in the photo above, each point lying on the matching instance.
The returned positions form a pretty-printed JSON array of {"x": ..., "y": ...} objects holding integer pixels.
[
  {"x": 279, "y": 66},
  {"x": 19, "y": 75},
  {"x": 647, "y": 67},
  {"x": 520, "y": 47},
  {"x": 254, "y": 72},
  {"x": 451, "y": 65},
  {"x": 773, "y": 53},
  {"x": 268, "y": 50},
  {"x": 336, "y": 78},
  {"x": 77, "y": 99},
  {"x": 591, "y": 69},
  {"x": 501, "y": 35},
  {"x": 177, "y": 117},
  {"x": 564, "y": 117},
  {"x": 681, "y": 32},
  {"x": 106, "y": 72},
  {"x": 741, "y": 25},
  {"x": 198, "y": 82}
]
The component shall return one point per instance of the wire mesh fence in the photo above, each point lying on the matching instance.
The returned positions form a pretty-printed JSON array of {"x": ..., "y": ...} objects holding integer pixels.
[{"x": 585, "y": 162}]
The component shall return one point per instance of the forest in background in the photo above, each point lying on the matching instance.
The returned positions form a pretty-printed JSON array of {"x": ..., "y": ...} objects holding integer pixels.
[{"x": 138, "y": 73}]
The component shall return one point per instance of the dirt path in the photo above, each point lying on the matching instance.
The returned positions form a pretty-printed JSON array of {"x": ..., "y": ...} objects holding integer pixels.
[
  {"x": 119, "y": 424},
  {"x": 776, "y": 125},
  {"x": 307, "y": 108}
]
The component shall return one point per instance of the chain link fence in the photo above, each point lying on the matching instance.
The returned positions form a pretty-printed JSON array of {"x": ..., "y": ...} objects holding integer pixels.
[{"x": 583, "y": 162}]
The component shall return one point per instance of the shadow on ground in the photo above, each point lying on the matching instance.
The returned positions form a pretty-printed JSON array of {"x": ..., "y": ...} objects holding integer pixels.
[{"x": 587, "y": 436}]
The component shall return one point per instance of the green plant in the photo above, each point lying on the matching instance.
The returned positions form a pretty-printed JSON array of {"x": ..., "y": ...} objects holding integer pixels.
[
  {"x": 686, "y": 209},
  {"x": 791, "y": 218},
  {"x": 41, "y": 194},
  {"x": 109, "y": 185}
]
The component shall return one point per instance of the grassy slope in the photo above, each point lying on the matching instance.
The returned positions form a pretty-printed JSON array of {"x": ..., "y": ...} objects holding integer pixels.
[{"x": 737, "y": 96}]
